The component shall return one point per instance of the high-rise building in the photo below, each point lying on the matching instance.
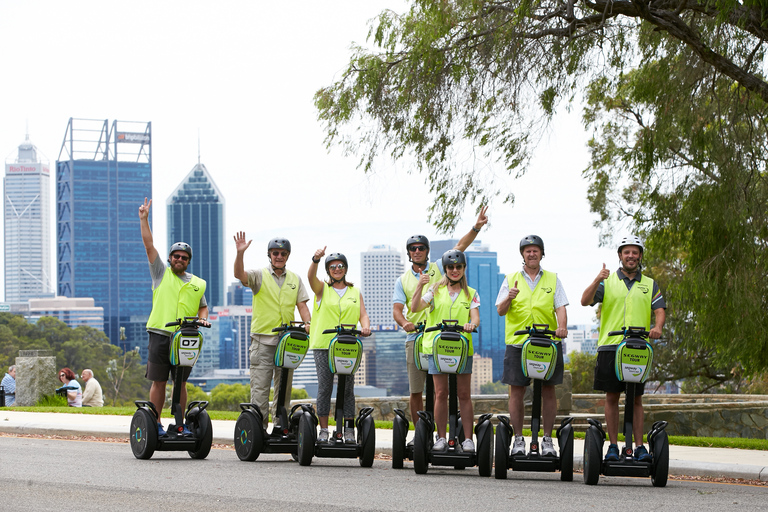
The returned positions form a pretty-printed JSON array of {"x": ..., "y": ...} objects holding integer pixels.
[
  {"x": 196, "y": 216},
  {"x": 102, "y": 174},
  {"x": 482, "y": 373},
  {"x": 234, "y": 336},
  {"x": 483, "y": 275},
  {"x": 27, "y": 226},
  {"x": 239, "y": 295},
  {"x": 381, "y": 266}
]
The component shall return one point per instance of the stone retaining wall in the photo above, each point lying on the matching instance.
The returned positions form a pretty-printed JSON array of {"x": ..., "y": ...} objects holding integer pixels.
[{"x": 700, "y": 415}]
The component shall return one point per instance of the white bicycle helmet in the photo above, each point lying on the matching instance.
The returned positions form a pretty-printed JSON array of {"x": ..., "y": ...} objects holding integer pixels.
[{"x": 631, "y": 240}]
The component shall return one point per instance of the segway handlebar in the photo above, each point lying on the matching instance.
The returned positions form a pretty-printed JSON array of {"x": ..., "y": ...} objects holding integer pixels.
[
  {"x": 187, "y": 321},
  {"x": 631, "y": 332},
  {"x": 448, "y": 326},
  {"x": 293, "y": 326},
  {"x": 344, "y": 329},
  {"x": 537, "y": 330}
]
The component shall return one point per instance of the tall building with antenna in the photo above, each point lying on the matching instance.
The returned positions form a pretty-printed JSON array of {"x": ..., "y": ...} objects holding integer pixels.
[
  {"x": 104, "y": 171},
  {"x": 196, "y": 216},
  {"x": 27, "y": 225}
]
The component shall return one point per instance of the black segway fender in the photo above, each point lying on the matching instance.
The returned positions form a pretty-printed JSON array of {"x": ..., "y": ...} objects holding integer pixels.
[
  {"x": 366, "y": 437},
  {"x": 565, "y": 443},
  {"x": 484, "y": 426},
  {"x": 193, "y": 410},
  {"x": 399, "y": 433}
]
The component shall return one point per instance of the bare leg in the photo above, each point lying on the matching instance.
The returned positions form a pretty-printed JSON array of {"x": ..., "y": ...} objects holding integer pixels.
[
  {"x": 464, "y": 390},
  {"x": 517, "y": 408},
  {"x": 549, "y": 409},
  {"x": 612, "y": 416},
  {"x": 637, "y": 421},
  {"x": 416, "y": 404},
  {"x": 441, "y": 403}
]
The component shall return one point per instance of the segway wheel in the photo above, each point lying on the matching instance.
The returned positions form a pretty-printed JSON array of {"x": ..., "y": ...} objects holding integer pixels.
[
  {"x": 249, "y": 437},
  {"x": 366, "y": 437},
  {"x": 306, "y": 440},
  {"x": 485, "y": 452},
  {"x": 421, "y": 446},
  {"x": 399, "y": 431},
  {"x": 143, "y": 434},
  {"x": 592, "y": 457},
  {"x": 660, "y": 465},
  {"x": 203, "y": 430},
  {"x": 503, "y": 440},
  {"x": 566, "y": 458}
]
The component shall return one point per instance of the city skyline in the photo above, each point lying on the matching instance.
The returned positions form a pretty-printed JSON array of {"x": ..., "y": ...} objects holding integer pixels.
[{"x": 251, "y": 102}]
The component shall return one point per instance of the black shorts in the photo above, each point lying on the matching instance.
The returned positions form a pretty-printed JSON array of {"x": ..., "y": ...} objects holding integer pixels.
[
  {"x": 159, "y": 359},
  {"x": 513, "y": 367},
  {"x": 605, "y": 375}
]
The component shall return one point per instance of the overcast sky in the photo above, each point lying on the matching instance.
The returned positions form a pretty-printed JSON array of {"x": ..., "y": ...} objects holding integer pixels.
[{"x": 243, "y": 75}]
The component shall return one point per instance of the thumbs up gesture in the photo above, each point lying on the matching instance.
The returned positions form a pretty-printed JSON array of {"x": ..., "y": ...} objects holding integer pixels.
[
  {"x": 604, "y": 273},
  {"x": 423, "y": 278},
  {"x": 514, "y": 291}
]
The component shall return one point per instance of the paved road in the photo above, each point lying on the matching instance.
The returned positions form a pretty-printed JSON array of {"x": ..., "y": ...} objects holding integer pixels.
[{"x": 55, "y": 475}]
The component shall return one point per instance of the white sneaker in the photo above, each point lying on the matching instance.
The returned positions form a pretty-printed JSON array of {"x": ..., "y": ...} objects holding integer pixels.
[
  {"x": 547, "y": 448},
  {"x": 468, "y": 445},
  {"x": 440, "y": 445},
  {"x": 518, "y": 447},
  {"x": 349, "y": 436},
  {"x": 324, "y": 436}
]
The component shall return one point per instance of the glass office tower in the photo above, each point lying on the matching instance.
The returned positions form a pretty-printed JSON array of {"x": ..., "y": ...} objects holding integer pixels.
[
  {"x": 103, "y": 173},
  {"x": 196, "y": 216},
  {"x": 27, "y": 226}
]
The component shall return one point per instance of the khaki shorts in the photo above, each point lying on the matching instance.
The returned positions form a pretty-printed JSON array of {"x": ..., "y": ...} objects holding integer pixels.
[{"x": 416, "y": 377}]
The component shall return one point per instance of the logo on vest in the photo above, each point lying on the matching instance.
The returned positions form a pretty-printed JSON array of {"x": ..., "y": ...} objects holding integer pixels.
[
  {"x": 292, "y": 286},
  {"x": 643, "y": 288},
  {"x": 547, "y": 290}
]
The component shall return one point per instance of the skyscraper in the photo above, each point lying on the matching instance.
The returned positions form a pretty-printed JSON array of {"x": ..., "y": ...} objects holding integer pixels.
[
  {"x": 196, "y": 216},
  {"x": 381, "y": 266},
  {"x": 483, "y": 275},
  {"x": 27, "y": 226},
  {"x": 102, "y": 174}
]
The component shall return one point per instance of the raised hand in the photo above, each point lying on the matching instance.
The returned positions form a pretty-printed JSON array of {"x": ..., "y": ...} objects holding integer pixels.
[
  {"x": 320, "y": 253},
  {"x": 240, "y": 244},
  {"x": 144, "y": 209},
  {"x": 604, "y": 273},
  {"x": 482, "y": 218}
]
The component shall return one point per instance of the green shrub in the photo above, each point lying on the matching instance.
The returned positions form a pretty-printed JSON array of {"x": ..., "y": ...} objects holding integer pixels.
[{"x": 51, "y": 401}]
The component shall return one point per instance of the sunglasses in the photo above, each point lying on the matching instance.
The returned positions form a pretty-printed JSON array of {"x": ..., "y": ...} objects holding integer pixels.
[
  {"x": 284, "y": 254},
  {"x": 452, "y": 267},
  {"x": 181, "y": 257},
  {"x": 415, "y": 248},
  {"x": 62, "y": 374},
  {"x": 339, "y": 266}
]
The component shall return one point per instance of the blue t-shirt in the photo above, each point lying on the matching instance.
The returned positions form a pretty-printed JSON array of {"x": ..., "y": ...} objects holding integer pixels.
[
  {"x": 9, "y": 385},
  {"x": 78, "y": 401}
]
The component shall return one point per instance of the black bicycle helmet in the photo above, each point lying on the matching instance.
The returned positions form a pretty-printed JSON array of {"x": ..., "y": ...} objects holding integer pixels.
[
  {"x": 181, "y": 246},
  {"x": 532, "y": 240},
  {"x": 416, "y": 239},
  {"x": 454, "y": 257},
  {"x": 335, "y": 256},
  {"x": 279, "y": 243}
]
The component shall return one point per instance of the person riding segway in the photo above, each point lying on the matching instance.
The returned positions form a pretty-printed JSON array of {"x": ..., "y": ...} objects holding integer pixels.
[
  {"x": 453, "y": 310},
  {"x": 628, "y": 298},
  {"x": 337, "y": 309}
]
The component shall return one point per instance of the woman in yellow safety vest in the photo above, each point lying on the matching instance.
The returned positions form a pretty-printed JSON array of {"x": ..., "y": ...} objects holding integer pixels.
[
  {"x": 336, "y": 302},
  {"x": 450, "y": 299}
]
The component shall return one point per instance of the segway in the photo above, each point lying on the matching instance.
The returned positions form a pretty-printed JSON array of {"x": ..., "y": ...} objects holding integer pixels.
[
  {"x": 400, "y": 425},
  {"x": 186, "y": 345},
  {"x": 251, "y": 438},
  {"x": 344, "y": 355},
  {"x": 450, "y": 350},
  {"x": 539, "y": 359},
  {"x": 634, "y": 357}
]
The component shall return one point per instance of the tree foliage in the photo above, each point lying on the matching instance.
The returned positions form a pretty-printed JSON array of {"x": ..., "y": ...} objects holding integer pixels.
[
  {"x": 228, "y": 397},
  {"x": 465, "y": 87},
  {"x": 675, "y": 97},
  {"x": 494, "y": 388},
  {"x": 79, "y": 348},
  {"x": 582, "y": 368}
]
